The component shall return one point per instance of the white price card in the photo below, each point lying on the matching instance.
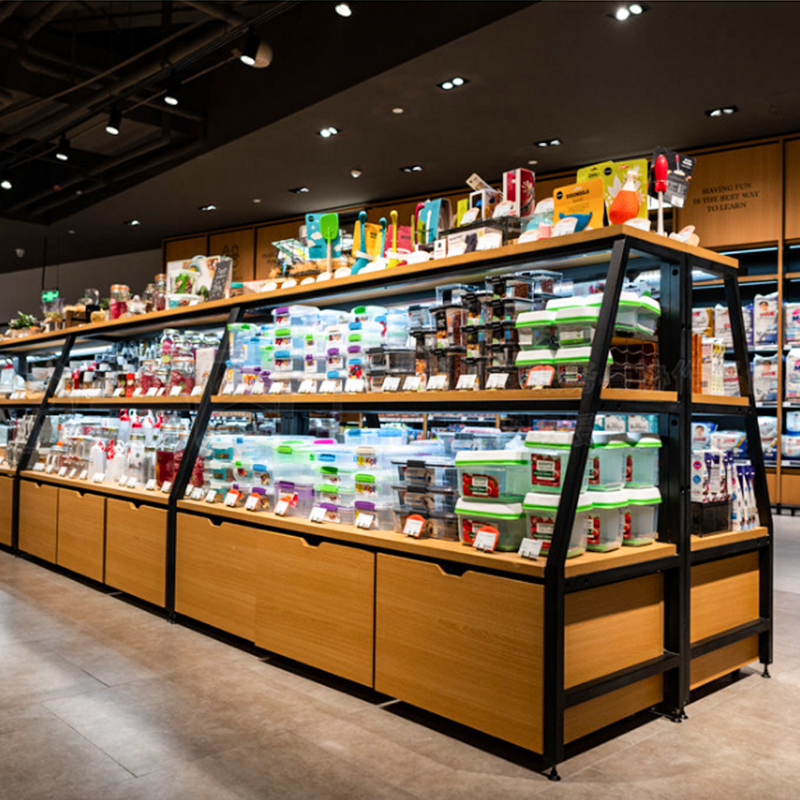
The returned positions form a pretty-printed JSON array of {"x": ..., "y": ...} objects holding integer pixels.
[
  {"x": 470, "y": 216},
  {"x": 530, "y": 548},
  {"x": 84, "y": 475},
  {"x": 276, "y": 388},
  {"x": 326, "y": 387},
  {"x": 413, "y": 526},
  {"x": 98, "y": 477},
  {"x": 504, "y": 209},
  {"x": 38, "y": 467},
  {"x": 188, "y": 492},
  {"x": 281, "y": 507},
  {"x": 391, "y": 383},
  {"x": 197, "y": 391},
  {"x": 73, "y": 472},
  {"x": 117, "y": 392},
  {"x": 411, "y": 383},
  {"x": 251, "y": 504},
  {"x": 122, "y": 480},
  {"x": 62, "y": 472},
  {"x": 258, "y": 387},
  {"x": 497, "y": 380},
  {"x": 227, "y": 389},
  {"x": 364, "y": 520},
  {"x": 152, "y": 391},
  {"x": 137, "y": 392},
  {"x": 437, "y": 383},
  {"x": 467, "y": 382},
  {"x": 197, "y": 493},
  {"x": 166, "y": 487},
  {"x": 240, "y": 389},
  {"x": 307, "y": 386},
  {"x": 161, "y": 392},
  {"x": 211, "y": 496},
  {"x": 317, "y": 514},
  {"x": 354, "y": 385},
  {"x": 132, "y": 482},
  {"x": 231, "y": 498},
  {"x": 2, "y": 462},
  {"x": 175, "y": 391},
  {"x": 150, "y": 486},
  {"x": 49, "y": 468},
  {"x": 486, "y": 540},
  {"x": 539, "y": 377}
]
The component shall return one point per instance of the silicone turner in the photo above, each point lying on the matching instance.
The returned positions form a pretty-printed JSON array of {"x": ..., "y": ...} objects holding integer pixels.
[
  {"x": 394, "y": 261},
  {"x": 329, "y": 228},
  {"x": 362, "y": 259}
]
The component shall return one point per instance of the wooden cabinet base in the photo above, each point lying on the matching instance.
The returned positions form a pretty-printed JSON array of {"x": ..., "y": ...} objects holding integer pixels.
[
  {"x": 81, "y": 533},
  {"x": 136, "y": 550},
  {"x": 721, "y": 662},
  {"x": 315, "y": 604},
  {"x": 38, "y": 519},
  {"x": 215, "y": 574},
  {"x": 6, "y": 508}
]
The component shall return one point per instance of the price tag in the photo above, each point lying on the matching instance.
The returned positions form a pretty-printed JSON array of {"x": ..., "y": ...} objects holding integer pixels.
[
  {"x": 490, "y": 240},
  {"x": 132, "y": 482},
  {"x": 197, "y": 391},
  {"x": 413, "y": 526},
  {"x": 2, "y": 462},
  {"x": 38, "y": 467},
  {"x": 231, "y": 498},
  {"x": 175, "y": 391},
  {"x": 49, "y": 468},
  {"x": 504, "y": 209},
  {"x": 122, "y": 480},
  {"x": 240, "y": 389},
  {"x": 470, "y": 216},
  {"x": 258, "y": 387},
  {"x": 327, "y": 387},
  {"x": 73, "y": 472},
  {"x": 540, "y": 377},
  {"x": 197, "y": 493},
  {"x": 530, "y": 548},
  {"x": 251, "y": 504},
  {"x": 276, "y": 388},
  {"x": 211, "y": 496},
  {"x": 364, "y": 520},
  {"x": 62, "y": 472},
  {"x": 227, "y": 389},
  {"x": 98, "y": 477},
  {"x": 467, "y": 382},
  {"x": 486, "y": 540},
  {"x": 150, "y": 486},
  {"x": 84, "y": 475},
  {"x": 161, "y": 392},
  {"x": 411, "y": 383},
  {"x": 152, "y": 391},
  {"x": 354, "y": 385},
  {"x": 437, "y": 383},
  {"x": 166, "y": 487},
  {"x": 137, "y": 392},
  {"x": 117, "y": 392},
  {"x": 188, "y": 492},
  {"x": 281, "y": 507},
  {"x": 317, "y": 514},
  {"x": 497, "y": 380},
  {"x": 391, "y": 383}
]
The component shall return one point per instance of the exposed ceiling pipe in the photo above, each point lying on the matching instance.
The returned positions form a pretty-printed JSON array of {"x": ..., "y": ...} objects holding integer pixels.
[
  {"x": 50, "y": 12},
  {"x": 218, "y": 11},
  {"x": 8, "y": 8}
]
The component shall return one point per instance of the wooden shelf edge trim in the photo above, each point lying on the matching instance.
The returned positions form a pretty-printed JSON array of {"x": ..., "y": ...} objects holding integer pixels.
[
  {"x": 719, "y": 400},
  {"x": 141, "y": 495},
  {"x": 726, "y": 537}
]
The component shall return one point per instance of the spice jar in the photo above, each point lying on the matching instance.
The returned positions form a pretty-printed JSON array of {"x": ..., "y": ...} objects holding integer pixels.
[{"x": 120, "y": 296}]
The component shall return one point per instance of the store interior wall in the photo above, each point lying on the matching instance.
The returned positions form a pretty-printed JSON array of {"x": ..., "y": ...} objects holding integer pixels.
[{"x": 21, "y": 290}]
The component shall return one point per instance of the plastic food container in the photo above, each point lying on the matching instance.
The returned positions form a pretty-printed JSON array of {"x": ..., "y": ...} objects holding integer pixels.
[
  {"x": 536, "y": 329},
  {"x": 296, "y": 315},
  {"x": 419, "y": 316},
  {"x": 336, "y": 358},
  {"x": 435, "y": 526},
  {"x": 439, "y": 472},
  {"x": 300, "y": 497},
  {"x": 355, "y": 366},
  {"x": 335, "y": 476},
  {"x": 537, "y": 368},
  {"x": 550, "y": 452},
  {"x": 452, "y": 293},
  {"x": 507, "y": 309},
  {"x": 627, "y": 311},
  {"x": 545, "y": 283},
  {"x": 344, "y": 515},
  {"x": 314, "y": 364},
  {"x": 476, "y": 339},
  {"x": 498, "y": 476},
  {"x": 607, "y": 463},
  {"x": 507, "y": 520},
  {"x": 478, "y": 367},
  {"x": 383, "y": 519},
  {"x": 576, "y": 325},
  {"x": 573, "y": 364},
  {"x": 504, "y": 355},
  {"x": 510, "y": 381},
  {"x": 368, "y": 313},
  {"x": 647, "y": 315},
  {"x": 607, "y": 528},
  {"x": 400, "y": 359},
  {"x": 479, "y": 308},
  {"x": 642, "y": 512},
  {"x": 262, "y": 474},
  {"x": 426, "y": 500},
  {"x": 335, "y": 493},
  {"x": 373, "y": 486},
  {"x": 541, "y": 510},
  {"x": 447, "y": 366},
  {"x": 514, "y": 285},
  {"x": 285, "y": 361},
  {"x": 341, "y": 456},
  {"x": 450, "y": 322},
  {"x": 503, "y": 333},
  {"x": 644, "y": 457}
]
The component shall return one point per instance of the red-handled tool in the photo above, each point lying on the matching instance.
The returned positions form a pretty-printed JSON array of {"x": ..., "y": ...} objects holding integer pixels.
[{"x": 660, "y": 170}]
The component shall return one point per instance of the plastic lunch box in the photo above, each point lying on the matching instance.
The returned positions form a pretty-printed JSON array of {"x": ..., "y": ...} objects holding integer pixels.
[
  {"x": 439, "y": 472},
  {"x": 644, "y": 457},
  {"x": 608, "y": 521},
  {"x": 508, "y": 520},
  {"x": 435, "y": 525},
  {"x": 573, "y": 364},
  {"x": 498, "y": 476},
  {"x": 536, "y": 329},
  {"x": 607, "y": 463},
  {"x": 549, "y": 458},
  {"x": 642, "y": 512},
  {"x": 426, "y": 501},
  {"x": 541, "y": 510},
  {"x": 537, "y": 368}
]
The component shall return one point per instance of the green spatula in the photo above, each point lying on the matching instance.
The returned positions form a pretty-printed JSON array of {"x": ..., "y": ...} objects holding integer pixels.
[{"x": 329, "y": 228}]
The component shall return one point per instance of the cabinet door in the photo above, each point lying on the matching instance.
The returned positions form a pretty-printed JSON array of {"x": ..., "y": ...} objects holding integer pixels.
[
  {"x": 215, "y": 574},
  {"x": 81, "y": 533},
  {"x": 468, "y": 647},
  {"x": 38, "y": 519},
  {"x": 136, "y": 550},
  {"x": 6, "y": 508},
  {"x": 315, "y": 604}
]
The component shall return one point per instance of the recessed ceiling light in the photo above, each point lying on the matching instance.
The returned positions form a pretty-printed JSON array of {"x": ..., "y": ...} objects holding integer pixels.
[
  {"x": 447, "y": 85},
  {"x": 71, "y": 232},
  {"x": 343, "y": 10},
  {"x": 626, "y": 11},
  {"x": 326, "y": 133},
  {"x": 636, "y": 9},
  {"x": 250, "y": 49},
  {"x": 62, "y": 151},
  {"x": 300, "y": 190},
  {"x": 114, "y": 121},
  {"x": 533, "y": 161},
  {"x": 132, "y": 222},
  {"x": 622, "y": 13},
  {"x": 209, "y": 207},
  {"x": 555, "y": 142},
  {"x": 5, "y": 184},
  {"x": 256, "y": 199},
  {"x": 172, "y": 97},
  {"x": 722, "y": 111},
  {"x": 398, "y": 110},
  {"x": 452, "y": 83},
  {"x": 411, "y": 168},
  {"x": 355, "y": 173}
]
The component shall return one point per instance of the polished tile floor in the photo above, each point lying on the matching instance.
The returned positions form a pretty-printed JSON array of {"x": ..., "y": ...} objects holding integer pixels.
[{"x": 100, "y": 700}]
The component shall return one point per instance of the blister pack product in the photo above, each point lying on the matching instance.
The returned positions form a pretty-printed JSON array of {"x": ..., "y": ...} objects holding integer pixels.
[
  {"x": 792, "y": 377},
  {"x": 765, "y": 379},
  {"x": 793, "y": 422},
  {"x": 699, "y": 477},
  {"x": 768, "y": 429},
  {"x": 765, "y": 319},
  {"x": 722, "y": 325},
  {"x": 703, "y": 321},
  {"x": 791, "y": 321},
  {"x": 701, "y": 434}
]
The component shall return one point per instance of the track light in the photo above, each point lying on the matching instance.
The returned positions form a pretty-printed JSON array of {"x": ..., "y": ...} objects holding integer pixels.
[
  {"x": 172, "y": 97},
  {"x": 114, "y": 121},
  {"x": 209, "y": 207},
  {"x": 5, "y": 184},
  {"x": 250, "y": 50},
  {"x": 62, "y": 151}
]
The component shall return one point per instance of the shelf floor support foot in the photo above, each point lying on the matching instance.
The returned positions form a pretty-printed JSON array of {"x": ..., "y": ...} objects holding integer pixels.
[{"x": 553, "y": 775}]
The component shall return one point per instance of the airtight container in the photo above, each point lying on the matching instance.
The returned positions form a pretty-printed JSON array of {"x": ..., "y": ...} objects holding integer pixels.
[
  {"x": 450, "y": 322},
  {"x": 315, "y": 365},
  {"x": 627, "y": 310},
  {"x": 503, "y": 333},
  {"x": 536, "y": 329},
  {"x": 238, "y": 334},
  {"x": 345, "y": 515},
  {"x": 375, "y": 487},
  {"x": 608, "y": 518},
  {"x": 503, "y": 355},
  {"x": 300, "y": 497},
  {"x": 394, "y": 359},
  {"x": 262, "y": 474},
  {"x": 383, "y": 519},
  {"x": 573, "y": 365},
  {"x": 647, "y": 315},
  {"x": 341, "y": 456},
  {"x": 296, "y": 315},
  {"x": 607, "y": 464},
  {"x": 292, "y": 461},
  {"x": 335, "y": 476},
  {"x": 285, "y": 361},
  {"x": 419, "y": 316},
  {"x": 549, "y": 453},
  {"x": 336, "y": 358},
  {"x": 507, "y": 309},
  {"x": 435, "y": 526},
  {"x": 541, "y": 509},
  {"x": 426, "y": 500},
  {"x": 498, "y": 476},
  {"x": 537, "y": 368},
  {"x": 476, "y": 366},
  {"x": 476, "y": 340},
  {"x": 642, "y": 524},
  {"x": 315, "y": 342},
  {"x": 479, "y": 308},
  {"x": 644, "y": 457},
  {"x": 334, "y": 493},
  {"x": 368, "y": 313},
  {"x": 507, "y": 520},
  {"x": 576, "y": 325},
  {"x": 439, "y": 472}
]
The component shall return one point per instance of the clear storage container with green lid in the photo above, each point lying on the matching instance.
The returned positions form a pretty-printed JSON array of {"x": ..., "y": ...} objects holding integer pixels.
[
  {"x": 537, "y": 368},
  {"x": 573, "y": 365},
  {"x": 536, "y": 329},
  {"x": 607, "y": 462},
  {"x": 496, "y": 476},
  {"x": 576, "y": 325},
  {"x": 507, "y": 520},
  {"x": 550, "y": 451},
  {"x": 541, "y": 510},
  {"x": 644, "y": 457},
  {"x": 608, "y": 521},
  {"x": 642, "y": 525}
]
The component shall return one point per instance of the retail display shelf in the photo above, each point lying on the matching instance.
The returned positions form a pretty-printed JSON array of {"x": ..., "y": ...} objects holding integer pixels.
[
  {"x": 719, "y": 400},
  {"x": 742, "y": 279},
  {"x": 6, "y": 470},
  {"x": 109, "y": 489},
  {"x": 125, "y": 402},
  {"x": 24, "y": 401},
  {"x": 726, "y": 537},
  {"x": 434, "y": 548}
]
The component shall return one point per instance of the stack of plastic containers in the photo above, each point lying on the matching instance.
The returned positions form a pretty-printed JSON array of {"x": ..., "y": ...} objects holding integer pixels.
[
  {"x": 644, "y": 497},
  {"x": 426, "y": 493}
]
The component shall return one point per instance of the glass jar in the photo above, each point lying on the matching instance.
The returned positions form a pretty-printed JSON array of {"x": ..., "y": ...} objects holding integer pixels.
[
  {"x": 147, "y": 297},
  {"x": 136, "y": 457},
  {"x": 160, "y": 292},
  {"x": 166, "y": 449},
  {"x": 167, "y": 342},
  {"x": 118, "y": 305},
  {"x": 183, "y": 374}
]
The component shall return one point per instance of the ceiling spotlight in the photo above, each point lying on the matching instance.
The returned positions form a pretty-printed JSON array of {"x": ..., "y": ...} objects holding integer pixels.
[
  {"x": 5, "y": 184},
  {"x": 622, "y": 13},
  {"x": 172, "y": 98},
  {"x": 398, "y": 110},
  {"x": 625, "y": 12},
  {"x": 452, "y": 83},
  {"x": 635, "y": 9},
  {"x": 62, "y": 151},
  {"x": 250, "y": 49},
  {"x": 549, "y": 143},
  {"x": 411, "y": 168},
  {"x": 326, "y": 133},
  {"x": 343, "y": 10},
  {"x": 132, "y": 222},
  {"x": 114, "y": 121},
  {"x": 355, "y": 173},
  {"x": 723, "y": 111},
  {"x": 533, "y": 162},
  {"x": 300, "y": 190},
  {"x": 71, "y": 232},
  {"x": 209, "y": 207},
  {"x": 447, "y": 85},
  {"x": 256, "y": 199}
]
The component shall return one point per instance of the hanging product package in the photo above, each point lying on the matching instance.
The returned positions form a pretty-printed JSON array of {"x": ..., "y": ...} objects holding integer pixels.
[
  {"x": 765, "y": 319},
  {"x": 768, "y": 428},
  {"x": 765, "y": 379},
  {"x": 791, "y": 318},
  {"x": 793, "y": 422},
  {"x": 722, "y": 325},
  {"x": 792, "y": 378},
  {"x": 701, "y": 434}
]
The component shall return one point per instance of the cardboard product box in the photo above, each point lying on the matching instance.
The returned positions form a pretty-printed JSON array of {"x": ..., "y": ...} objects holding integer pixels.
[
  {"x": 519, "y": 189},
  {"x": 193, "y": 277}
]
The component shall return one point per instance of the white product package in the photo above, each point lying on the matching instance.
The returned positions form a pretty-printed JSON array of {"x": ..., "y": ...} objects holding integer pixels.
[
  {"x": 790, "y": 447},
  {"x": 793, "y": 422},
  {"x": 791, "y": 317},
  {"x": 733, "y": 441},
  {"x": 703, "y": 321},
  {"x": 722, "y": 325},
  {"x": 765, "y": 379},
  {"x": 765, "y": 319},
  {"x": 792, "y": 377},
  {"x": 701, "y": 434},
  {"x": 747, "y": 313},
  {"x": 730, "y": 378},
  {"x": 768, "y": 428}
]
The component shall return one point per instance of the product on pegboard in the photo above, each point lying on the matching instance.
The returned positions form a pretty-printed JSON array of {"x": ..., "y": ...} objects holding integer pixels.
[
  {"x": 765, "y": 319},
  {"x": 722, "y": 325},
  {"x": 768, "y": 429},
  {"x": 703, "y": 321},
  {"x": 792, "y": 377},
  {"x": 791, "y": 317},
  {"x": 765, "y": 379}
]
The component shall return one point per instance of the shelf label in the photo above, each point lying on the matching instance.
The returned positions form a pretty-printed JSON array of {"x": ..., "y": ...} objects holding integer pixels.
[
  {"x": 327, "y": 387},
  {"x": 413, "y": 526},
  {"x": 227, "y": 389},
  {"x": 150, "y": 486},
  {"x": 152, "y": 391},
  {"x": 73, "y": 472},
  {"x": 166, "y": 487},
  {"x": 132, "y": 482},
  {"x": 391, "y": 383},
  {"x": 307, "y": 386},
  {"x": 364, "y": 520},
  {"x": 317, "y": 514},
  {"x": 437, "y": 383},
  {"x": 161, "y": 392},
  {"x": 467, "y": 382},
  {"x": 197, "y": 391},
  {"x": 354, "y": 385},
  {"x": 62, "y": 472},
  {"x": 231, "y": 498},
  {"x": 49, "y": 468},
  {"x": 497, "y": 380},
  {"x": 258, "y": 387},
  {"x": 188, "y": 492},
  {"x": 251, "y": 504},
  {"x": 412, "y": 383},
  {"x": 276, "y": 388},
  {"x": 122, "y": 480},
  {"x": 211, "y": 496},
  {"x": 84, "y": 475},
  {"x": 98, "y": 477},
  {"x": 175, "y": 391},
  {"x": 117, "y": 392},
  {"x": 38, "y": 467},
  {"x": 281, "y": 507},
  {"x": 240, "y": 389},
  {"x": 486, "y": 539},
  {"x": 197, "y": 493},
  {"x": 530, "y": 548},
  {"x": 137, "y": 392},
  {"x": 2, "y": 462}
]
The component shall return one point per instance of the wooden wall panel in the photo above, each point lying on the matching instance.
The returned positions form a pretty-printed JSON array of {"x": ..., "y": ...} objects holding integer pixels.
[
  {"x": 180, "y": 249},
  {"x": 38, "y": 519},
  {"x": 790, "y": 489},
  {"x": 735, "y": 197},
  {"x": 792, "y": 199},
  {"x": 6, "y": 508},
  {"x": 721, "y": 662},
  {"x": 240, "y": 247},
  {"x": 266, "y": 265}
]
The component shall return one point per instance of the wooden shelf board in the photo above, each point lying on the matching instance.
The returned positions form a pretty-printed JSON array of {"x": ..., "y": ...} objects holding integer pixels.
[
  {"x": 108, "y": 489},
  {"x": 433, "y": 548},
  {"x": 719, "y": 400},
  {"x": 10, "y": 471},
  {"x": 727, "y": 537},
  {"x": 26, "y": 401},
  {"x": 741, "y": 279},
  {"x": 125, "y": 402}
]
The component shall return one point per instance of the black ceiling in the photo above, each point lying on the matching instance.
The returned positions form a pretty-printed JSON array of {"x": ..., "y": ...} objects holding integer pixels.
[{"x": 535, "y": 71}]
